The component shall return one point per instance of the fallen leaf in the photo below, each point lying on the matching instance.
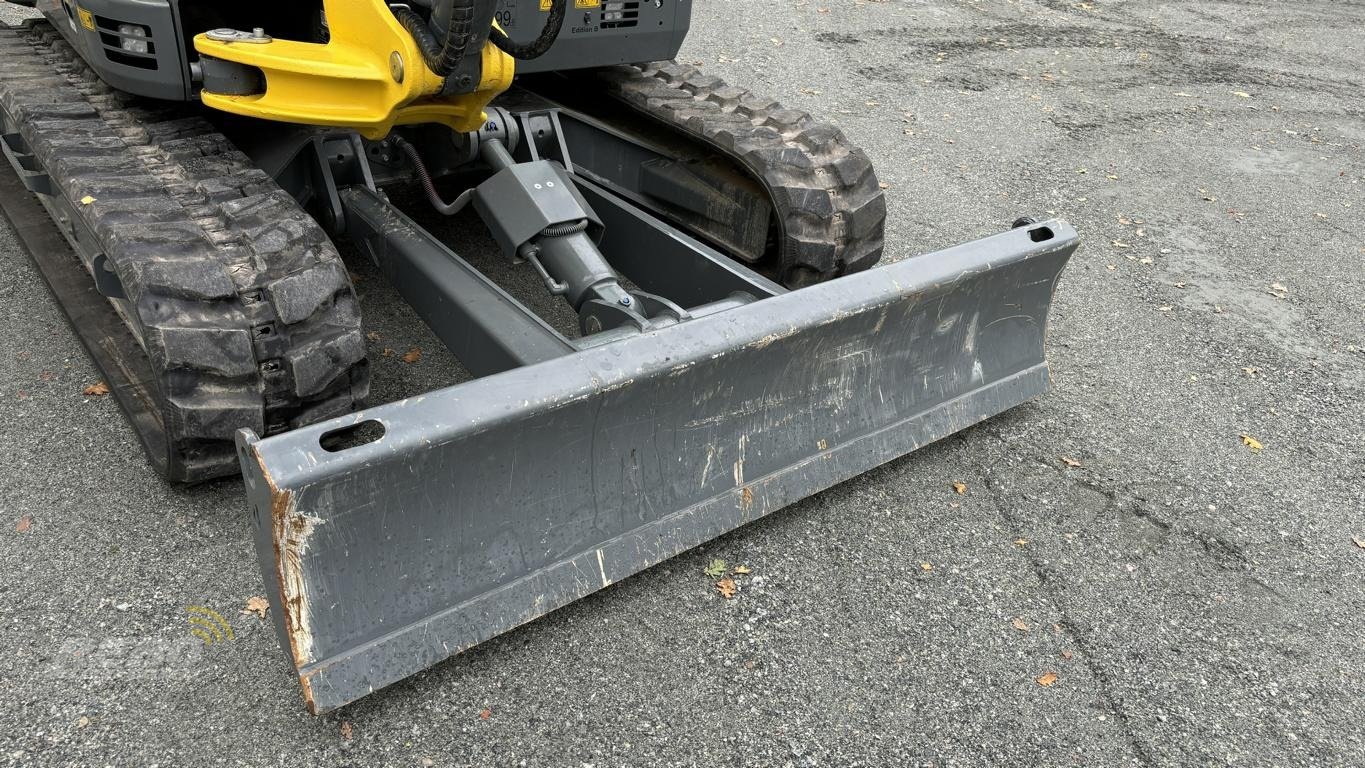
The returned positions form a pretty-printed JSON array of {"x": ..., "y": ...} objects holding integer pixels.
[
  {"x": 960, "y": 487},
  {"x": 83, "y": 722},
  {"x": 822, "y": 10},
  {"x": 98, "y": 389},
  {"x": 1252, "y": 443},
  {"x": 743, "y": 569},
  {"x": 726, "y": 587},
  {"x": 1021, "y": 542},
  {"x": 1251, "y": 370},
  {"x": 810, "y": 91},
  {"x": 1066, "y": 655},
  {"x": 87, "y": 200},
  {"x": 485, "y": 713},
  {"x": 1120, "y": 244},
  {"x": 1241, "y": 94},
  {"x": 926, "y": 566},
  {"x": 1070, "y": 462},
  {"x": 715, "y": 569},
  {"x": 1019, "y": 625},
  {"x": 256, "y": 605},
  {"x": 775, "y": 41},
  {"x": 1278, "y": 289},
  {"x": 24, "y": 524},
  {"x": 373, "y": 336},
  {"x": 1047, "y": 679},
  {"x": 883, "y": 185},
  {"x": 347, "y": 731},
  {"x": 387, "y": 352},
  {"x": 1166, "y": 308},
  {"x": 412, "y": 355},
  {"x": 1057, "y": 629}
]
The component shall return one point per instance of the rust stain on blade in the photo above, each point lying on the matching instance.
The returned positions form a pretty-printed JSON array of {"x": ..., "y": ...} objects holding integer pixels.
[{"x": 289, "y": 532}]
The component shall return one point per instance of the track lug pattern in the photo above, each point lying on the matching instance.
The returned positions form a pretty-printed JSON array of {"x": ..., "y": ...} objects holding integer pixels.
[
  {"x": 240, "y": 300},
  {"x": 830, "y": 205}
]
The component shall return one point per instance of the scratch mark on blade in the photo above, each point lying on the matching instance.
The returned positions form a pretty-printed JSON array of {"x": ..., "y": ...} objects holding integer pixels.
[{"x": 602, "y": 569}]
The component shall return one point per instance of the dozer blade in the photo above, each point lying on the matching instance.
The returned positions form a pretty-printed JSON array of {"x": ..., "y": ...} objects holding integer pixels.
[{"x": 488, "y": 504}]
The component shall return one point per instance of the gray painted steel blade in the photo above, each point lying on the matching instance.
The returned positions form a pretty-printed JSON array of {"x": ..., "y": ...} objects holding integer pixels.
[{"x": 493, "y": 502}]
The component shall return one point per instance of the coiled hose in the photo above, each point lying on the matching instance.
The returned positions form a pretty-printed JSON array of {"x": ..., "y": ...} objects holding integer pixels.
[
  {"x": 565, "y": 229},
  {"x": 449, "y": 209}
]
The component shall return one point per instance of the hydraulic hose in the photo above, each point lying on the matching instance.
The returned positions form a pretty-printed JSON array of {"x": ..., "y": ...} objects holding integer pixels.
[
  {"x": 456, "y": 28},
  {"x": 429, "y": 186},
  {"x": 538, "y": 47}
]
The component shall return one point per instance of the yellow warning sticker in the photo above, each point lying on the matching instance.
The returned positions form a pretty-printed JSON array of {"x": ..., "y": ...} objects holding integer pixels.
[
  {"x": 87, "y": 18},
  {"x": 586, "y": 3},
  {"x": 545, "y": 4}
]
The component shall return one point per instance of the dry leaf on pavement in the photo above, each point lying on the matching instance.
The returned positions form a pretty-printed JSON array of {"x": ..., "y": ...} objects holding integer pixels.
[
  {"x": 98, "y": 389},
  {"x": 1252, "y": 443},
  {"x": 24, "y": 524},
  {"x": 1021, "y": 542},
  {"x": 926, "y": 566},
  {"x": 256, "y": 605},
  {"x": 743, "y": 569},
  {"x": 347, "y": 731},
  {"x": 726, "y": 587},
  {"x": 412, "y": 355},
  {"x": 960, "y": 487},
  {"x": 485, "y": 713},
  {"x": 715, "y": 569},
  {"x": 1070, "y": 462},
  {"x": 1047, "y": 679},
  {"x": 1066, "y": 655},
  {"x": 1019, "y": 625}
]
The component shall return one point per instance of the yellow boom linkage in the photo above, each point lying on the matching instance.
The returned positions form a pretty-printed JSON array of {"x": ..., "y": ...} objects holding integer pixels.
[{"x": 369, "y": 76}]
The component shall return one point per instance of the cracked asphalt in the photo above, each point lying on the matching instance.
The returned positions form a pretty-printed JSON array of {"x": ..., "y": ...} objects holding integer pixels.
[{"x": 1199, "y": 602}]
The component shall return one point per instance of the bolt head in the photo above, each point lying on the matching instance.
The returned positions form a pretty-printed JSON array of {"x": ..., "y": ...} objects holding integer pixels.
[
  {"x": 396, "y": 67},
  {"x": 625, "y": 301}
]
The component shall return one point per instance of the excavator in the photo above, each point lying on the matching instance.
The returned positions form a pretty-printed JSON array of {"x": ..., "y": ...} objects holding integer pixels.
[{"x": 184, "y": 169}]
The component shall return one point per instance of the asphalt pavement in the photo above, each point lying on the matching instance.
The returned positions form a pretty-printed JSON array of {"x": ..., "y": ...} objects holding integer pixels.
[{"x": 1191, "y": 599}]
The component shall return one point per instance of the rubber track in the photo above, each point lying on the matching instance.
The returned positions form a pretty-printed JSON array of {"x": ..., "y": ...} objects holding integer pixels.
[
  {"x": 829, "y": 203},
  {"x": 241, "y": 302}
]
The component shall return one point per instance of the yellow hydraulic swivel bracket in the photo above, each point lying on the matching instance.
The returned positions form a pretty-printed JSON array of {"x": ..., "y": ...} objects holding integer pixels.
[{"x": 369, "y": 76}]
